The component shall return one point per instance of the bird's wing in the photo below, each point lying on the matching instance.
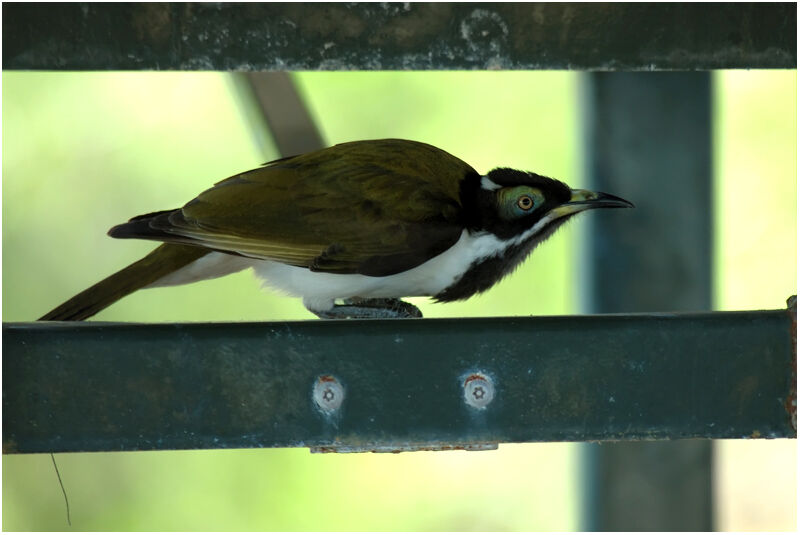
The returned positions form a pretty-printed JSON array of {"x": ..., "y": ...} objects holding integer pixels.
[{"x": 375, "y": 208}]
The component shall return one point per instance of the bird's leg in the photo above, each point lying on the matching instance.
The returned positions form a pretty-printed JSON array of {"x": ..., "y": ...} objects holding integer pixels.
[{"x": 357, "y": 308}]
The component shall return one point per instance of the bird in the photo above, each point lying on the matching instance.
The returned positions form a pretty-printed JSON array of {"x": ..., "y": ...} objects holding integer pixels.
[{"x": 351, "y": 229}]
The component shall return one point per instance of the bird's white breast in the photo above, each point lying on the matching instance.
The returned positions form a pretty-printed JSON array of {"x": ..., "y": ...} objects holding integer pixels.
[{"x": 319, "y": 290}]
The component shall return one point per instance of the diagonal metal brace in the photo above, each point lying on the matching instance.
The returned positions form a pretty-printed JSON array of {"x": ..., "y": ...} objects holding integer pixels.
[{"x": 384, "y": 385}]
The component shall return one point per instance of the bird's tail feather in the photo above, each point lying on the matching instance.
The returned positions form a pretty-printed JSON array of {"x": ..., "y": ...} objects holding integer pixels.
[{"x": 164, "y": 260}]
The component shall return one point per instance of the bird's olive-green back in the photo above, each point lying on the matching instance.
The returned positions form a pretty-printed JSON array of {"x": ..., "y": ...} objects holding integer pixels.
[{"x": 374, "y": 207}]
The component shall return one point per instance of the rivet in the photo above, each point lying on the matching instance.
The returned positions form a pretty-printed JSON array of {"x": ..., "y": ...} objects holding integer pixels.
[
  {"x": 478, "y": 390},
  {"x": 328, "y": 393}
]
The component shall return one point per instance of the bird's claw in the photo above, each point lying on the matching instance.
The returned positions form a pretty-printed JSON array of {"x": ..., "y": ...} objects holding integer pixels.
[{"x": 358, "y": 308}]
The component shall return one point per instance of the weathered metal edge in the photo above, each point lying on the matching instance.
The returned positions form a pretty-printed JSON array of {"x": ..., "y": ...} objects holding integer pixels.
[
  {"x": 395, "y": 36},
  {"x": 791, "y": 399}
]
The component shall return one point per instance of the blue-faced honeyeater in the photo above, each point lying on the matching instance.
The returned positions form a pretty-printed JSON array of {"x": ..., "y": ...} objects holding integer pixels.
[{"x": 351, "y": 229}]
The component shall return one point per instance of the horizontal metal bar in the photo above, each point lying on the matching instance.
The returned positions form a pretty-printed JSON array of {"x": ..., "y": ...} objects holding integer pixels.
[
  {"x": 393, "y": 385},
  {"x": 372, "y": 36}
]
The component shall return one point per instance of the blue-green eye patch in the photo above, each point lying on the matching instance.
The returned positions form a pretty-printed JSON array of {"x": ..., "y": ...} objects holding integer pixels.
[{"x": 518, "y": 201}]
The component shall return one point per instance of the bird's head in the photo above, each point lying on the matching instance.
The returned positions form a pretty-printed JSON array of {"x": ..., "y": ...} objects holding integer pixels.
[{"x": 517, "y": 205}]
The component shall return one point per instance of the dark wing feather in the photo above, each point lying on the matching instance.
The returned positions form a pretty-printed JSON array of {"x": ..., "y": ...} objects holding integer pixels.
[{"x": 371, "y": 207}]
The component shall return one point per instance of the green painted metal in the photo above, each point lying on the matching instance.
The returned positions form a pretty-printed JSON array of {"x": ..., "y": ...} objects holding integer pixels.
[
  {"x": 381, "y": 36},
  {"x": 110, "y": 387},
  {"x": 649, "y": 135}
]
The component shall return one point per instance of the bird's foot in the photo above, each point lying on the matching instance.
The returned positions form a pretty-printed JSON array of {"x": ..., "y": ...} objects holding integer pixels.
[{"x": 357, "y": 308}]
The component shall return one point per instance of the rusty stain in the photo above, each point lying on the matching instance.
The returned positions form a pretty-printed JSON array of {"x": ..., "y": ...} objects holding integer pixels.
[
  {"x": 474, "y": 377},
  {"x": 755, "y": 434},
  {"x": 791, "y": 400},
  {"x": 153, "y": 23},
  {"x": 327, "y": 379}
]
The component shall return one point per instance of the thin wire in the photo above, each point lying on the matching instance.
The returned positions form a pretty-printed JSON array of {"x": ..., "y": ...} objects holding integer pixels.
[{"x": 64, "y": 492}]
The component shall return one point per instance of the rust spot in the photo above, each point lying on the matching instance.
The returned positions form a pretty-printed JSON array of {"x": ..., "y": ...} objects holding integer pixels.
[
  {"x": 153, "y": 23},
  {"x": 791, "y": 401},
  {"x": 10, "y": 446},
  {"x": 474, "y": 377},
  {"x": 755, "y": 434},
  {"x": 327, "y": 379}
]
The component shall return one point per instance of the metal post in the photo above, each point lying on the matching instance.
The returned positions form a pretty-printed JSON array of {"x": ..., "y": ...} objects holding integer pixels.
[
  {"x": 274, "y": 106},
  {"x": 649, "y": 141}
]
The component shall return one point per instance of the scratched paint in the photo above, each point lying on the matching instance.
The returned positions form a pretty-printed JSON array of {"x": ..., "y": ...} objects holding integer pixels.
[{"x": 381, "y": 36}]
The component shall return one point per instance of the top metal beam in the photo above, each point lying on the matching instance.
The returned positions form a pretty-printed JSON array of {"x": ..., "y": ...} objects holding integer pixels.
[{"x": 334, "y": 36}]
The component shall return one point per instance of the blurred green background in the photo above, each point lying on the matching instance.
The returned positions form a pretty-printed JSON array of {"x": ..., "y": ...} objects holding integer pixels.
[{"x": 85, "y": 151}]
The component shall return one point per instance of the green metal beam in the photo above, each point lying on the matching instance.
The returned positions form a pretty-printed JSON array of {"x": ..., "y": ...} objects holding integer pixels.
[
  {"x": 401, "y": 384},
  {"x": 381, "y": 36}
]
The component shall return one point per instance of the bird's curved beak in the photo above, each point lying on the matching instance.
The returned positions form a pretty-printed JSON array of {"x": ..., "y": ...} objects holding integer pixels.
[{"x": 583, "y": 199}]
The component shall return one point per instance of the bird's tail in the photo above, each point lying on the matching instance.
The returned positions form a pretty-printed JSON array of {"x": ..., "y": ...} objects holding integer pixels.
[{"x": 164, "y": 260}]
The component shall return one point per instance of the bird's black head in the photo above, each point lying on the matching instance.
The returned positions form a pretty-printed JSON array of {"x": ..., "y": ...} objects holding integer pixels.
[
  {"x": 512, "y": 204},
  {"x": 521, "y": 210}
]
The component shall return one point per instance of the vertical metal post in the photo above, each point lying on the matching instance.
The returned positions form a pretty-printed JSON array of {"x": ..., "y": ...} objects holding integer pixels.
[
  {"x": 649, "y": 141},
  {"x": 274, "y": 106}
]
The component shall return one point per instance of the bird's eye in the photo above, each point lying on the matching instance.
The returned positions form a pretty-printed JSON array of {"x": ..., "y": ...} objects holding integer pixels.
[
  {"x": 525, "y": 202},
  {"x": 518, "y": 201}
]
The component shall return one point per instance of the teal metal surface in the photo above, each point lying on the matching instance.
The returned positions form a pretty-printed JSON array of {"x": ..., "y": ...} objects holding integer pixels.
[
  {"x": 649, "y": 135},
  {"x": 110, "y": 387},
  {"x": 381, "y": 36}
]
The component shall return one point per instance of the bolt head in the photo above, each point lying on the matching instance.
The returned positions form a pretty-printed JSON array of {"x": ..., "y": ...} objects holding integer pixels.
[
  {"x": 328, "y": 393},
  {"x": 478, "y": 390}
]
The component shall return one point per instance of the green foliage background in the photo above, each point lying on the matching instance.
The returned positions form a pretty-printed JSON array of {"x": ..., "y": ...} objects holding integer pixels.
[{"x": 85, "y": 151}]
